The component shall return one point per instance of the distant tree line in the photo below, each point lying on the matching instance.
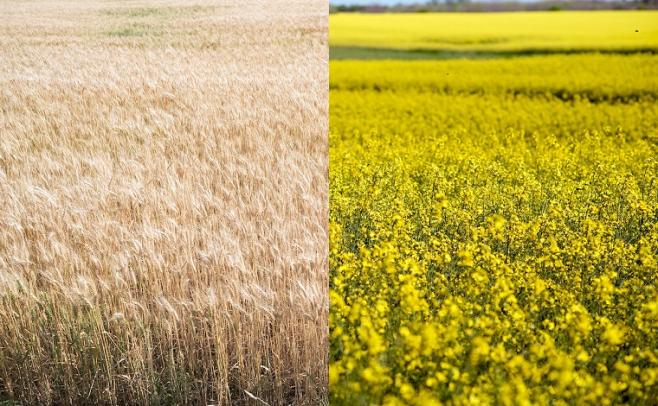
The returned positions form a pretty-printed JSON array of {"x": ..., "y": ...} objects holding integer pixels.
[{"x": 476, "y": 6}]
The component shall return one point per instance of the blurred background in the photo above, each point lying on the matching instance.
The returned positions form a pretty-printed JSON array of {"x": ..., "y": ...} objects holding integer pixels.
[{"x": 374, "y": 6}]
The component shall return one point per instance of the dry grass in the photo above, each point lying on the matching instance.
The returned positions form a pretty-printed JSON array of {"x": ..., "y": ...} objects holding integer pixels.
[{"x": 163, "y": 202}]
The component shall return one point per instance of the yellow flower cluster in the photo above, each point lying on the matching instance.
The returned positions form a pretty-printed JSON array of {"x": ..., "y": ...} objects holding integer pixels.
[{"x": 494, "y": 241}]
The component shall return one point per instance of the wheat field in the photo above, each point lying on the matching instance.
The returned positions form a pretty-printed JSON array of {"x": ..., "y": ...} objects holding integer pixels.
[{"x": 163, "y": 202}]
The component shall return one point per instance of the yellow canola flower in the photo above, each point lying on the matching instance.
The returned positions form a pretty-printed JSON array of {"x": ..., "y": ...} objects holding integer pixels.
[{"x": 613, "y": 335}]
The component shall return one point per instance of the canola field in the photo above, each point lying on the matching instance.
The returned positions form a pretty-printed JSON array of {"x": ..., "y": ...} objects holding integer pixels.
[
  {"x": 493, "y": 227},
  {"x": 515, "y": 31}
]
